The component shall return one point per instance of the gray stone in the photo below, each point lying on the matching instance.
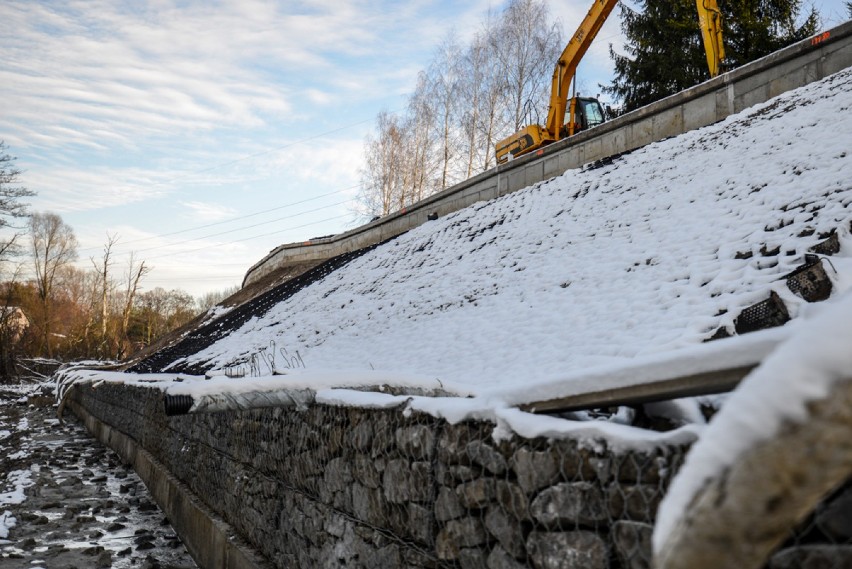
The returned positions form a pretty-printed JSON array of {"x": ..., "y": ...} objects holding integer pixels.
[
  {"x": 535, "y": 469},
  {"x": 360, "y": 437},
  {"x": 644, "y": 468},
  {"x": 452, "y": 444},
  {"x": 450, "y": 475},
  {"x": 487, "y": 456},
  {"x": 420, "y": 523},
  {"x": 477, "y": 493},
  {"x": 458, "y": 534},
  {"x": 567, "y": 550},
  {"x": 338, "y": 475},
  {"x": 575, "y": 463},
  {"x": 395, "y": 481},
  {"x": 367, "y": 505},
  {"x": 569, "y": 504},
  {"x": 513, "y": 500},
  {"x": 638, "y": 502},
  {"x": 812, "y": 557},
  {"x": 633, "y": 544},
  {"x": 422, "y": 487},
  {"x": 367, "y": 470},
  {"x": 472, "y": 558},
  {"x": 507, "y": 531},
  {"x": 499, "y": 559},
  {"x": 835, "y": 520},
  {"x": 416, "y": 442},
  {"x": 447, "y": 505}
]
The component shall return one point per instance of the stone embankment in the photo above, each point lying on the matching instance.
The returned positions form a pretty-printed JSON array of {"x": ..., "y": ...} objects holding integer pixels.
[{"x": 343, "y": 487}]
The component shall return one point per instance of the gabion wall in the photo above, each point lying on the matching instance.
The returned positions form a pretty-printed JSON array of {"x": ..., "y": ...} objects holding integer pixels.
[{"x": 343, "y": 487}]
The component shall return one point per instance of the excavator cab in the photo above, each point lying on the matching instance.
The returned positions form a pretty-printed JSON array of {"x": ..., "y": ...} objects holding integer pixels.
[{"x": 587, "y": 113}]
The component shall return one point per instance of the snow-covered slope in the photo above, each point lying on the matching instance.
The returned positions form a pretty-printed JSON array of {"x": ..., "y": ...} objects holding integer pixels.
[{"x": 596, "y": 267}]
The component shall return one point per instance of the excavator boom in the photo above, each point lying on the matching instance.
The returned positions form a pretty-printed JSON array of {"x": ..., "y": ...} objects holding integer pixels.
[
  {"x": 534, "y": 136},
  {"x": 710, "y": 22},
  {"x": 566, "y": 67}
]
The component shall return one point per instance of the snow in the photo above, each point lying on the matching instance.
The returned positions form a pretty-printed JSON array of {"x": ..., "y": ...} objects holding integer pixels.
[
  {"x": 593, "y": 268},
  {"x": 17, "y": 481},
  {"x": 803, "y": 369},
  {"x": 598, "y": 278}
]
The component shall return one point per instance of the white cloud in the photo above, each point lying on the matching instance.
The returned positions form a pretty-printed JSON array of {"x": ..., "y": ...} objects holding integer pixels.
[{"x": 207, "y": 211}]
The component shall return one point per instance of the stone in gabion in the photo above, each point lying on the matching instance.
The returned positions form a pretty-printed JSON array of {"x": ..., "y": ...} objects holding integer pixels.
[
  {"x": 835, "y": 520},
  {"x": 454, "y": 473},
  {"x": 416, "y": 441},
  {"x": 338, "y": 475},
  {"x": 633, "y": 544},
  {"x": 487, "y": 456},
  {"x": 420, "y": 523},
  {"x": 508, "y": 532},
  {"x": 368, "y": 505},
  {"x": 404, "y": 482},
  {"x": 447, "y": 505},
  {"x": 567, "y": 550},
  {"x": 499, "y": 559},
  {"x": 476, "y": 494},
  {"x": 638, "y": 502},
  {"x": 360, "y": 437},
  {"x": 513, "y": 500},
  {"x": 472, "y": 558},
  {"x": 535, "y": 469},
  {"x": 812, "y": 557},
  {"x": 569, "y": 504},
  {"x": 458, "y": 534},
  {"x": 368, "y": 471},
  {"x": 452, "y": 444}
]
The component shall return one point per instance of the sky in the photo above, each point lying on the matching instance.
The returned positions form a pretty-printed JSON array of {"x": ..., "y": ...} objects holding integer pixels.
[{"x": 204, "y": 134}]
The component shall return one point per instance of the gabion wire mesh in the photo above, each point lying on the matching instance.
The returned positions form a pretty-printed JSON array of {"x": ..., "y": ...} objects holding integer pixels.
[{"x": 343, "y": 487}]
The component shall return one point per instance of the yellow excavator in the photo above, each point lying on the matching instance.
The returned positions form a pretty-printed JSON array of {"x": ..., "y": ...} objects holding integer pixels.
[{"x": 586, "y": 112}]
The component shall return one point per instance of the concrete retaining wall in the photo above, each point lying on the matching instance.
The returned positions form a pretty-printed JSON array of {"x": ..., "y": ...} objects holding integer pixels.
[{"x": 792, "y": 67}]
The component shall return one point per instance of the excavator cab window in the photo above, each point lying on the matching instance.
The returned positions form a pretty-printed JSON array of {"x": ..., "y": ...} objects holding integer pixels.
[{"x": 590, "y": 114}]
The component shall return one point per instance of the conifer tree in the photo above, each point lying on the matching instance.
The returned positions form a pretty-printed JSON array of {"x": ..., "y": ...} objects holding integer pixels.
[{"x": 665, "y": 54}]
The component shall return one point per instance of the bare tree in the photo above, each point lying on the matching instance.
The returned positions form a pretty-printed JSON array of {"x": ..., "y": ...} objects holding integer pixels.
[
  {"x": 527, "y": 46},
  {"x": 421, "y": 129},
  {"x": 383, "y": 175},
  {"x": 468, "y": 98},
  {"x": 53, "y": 247},
  {"x": 102, "y": 269},
  {"x": 11, "y": 193},
  {"x": 445, "y": 87},
  {"x": 210, "y": 299},
  {"x": 484, "y": 91},
  {"x": 135, "y": 274}
]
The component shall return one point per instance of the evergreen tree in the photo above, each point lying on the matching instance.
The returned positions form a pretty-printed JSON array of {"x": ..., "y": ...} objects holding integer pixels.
[{"x": 665, "y": 53}]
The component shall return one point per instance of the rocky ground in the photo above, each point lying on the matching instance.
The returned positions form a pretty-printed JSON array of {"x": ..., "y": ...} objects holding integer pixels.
[{"x": 66, "y": 501}]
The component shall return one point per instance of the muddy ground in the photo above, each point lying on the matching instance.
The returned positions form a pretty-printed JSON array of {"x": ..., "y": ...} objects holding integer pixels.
[{"x": 66, "y": 501}]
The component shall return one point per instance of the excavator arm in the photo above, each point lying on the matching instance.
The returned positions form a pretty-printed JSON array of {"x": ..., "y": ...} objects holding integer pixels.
[
  {"x": 566, "y": 67},
  {"x": 532, "y": 137},
  {"x": 710, "y": 22}
]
